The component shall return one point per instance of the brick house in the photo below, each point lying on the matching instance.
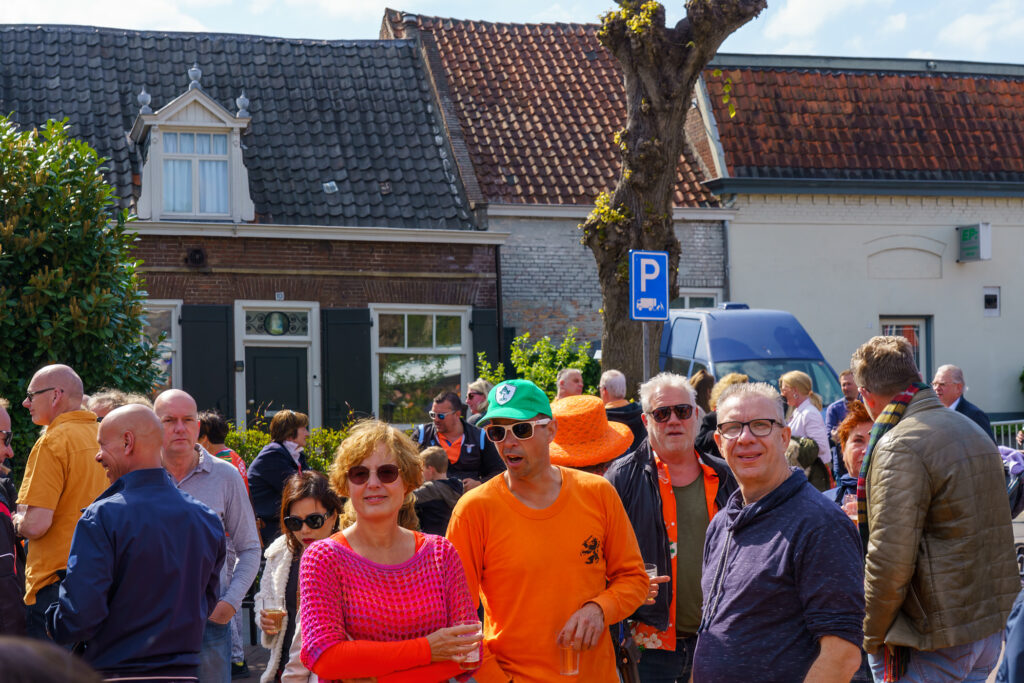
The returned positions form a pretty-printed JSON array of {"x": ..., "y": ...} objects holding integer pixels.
[
  {"x": 307, "y": 238},
  {"x": 531, "y": 110},
  {"x": 853, "y": 182}
]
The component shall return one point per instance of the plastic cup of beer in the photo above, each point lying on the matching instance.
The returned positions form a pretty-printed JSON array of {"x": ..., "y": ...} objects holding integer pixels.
[
  {"x": 850, "y": 506},
  {"x": 651, "y": 569},
  {"x": 276, "y": 614},
  {"x": 472, "y": 660},
  {"x": 568, "y": 660}
]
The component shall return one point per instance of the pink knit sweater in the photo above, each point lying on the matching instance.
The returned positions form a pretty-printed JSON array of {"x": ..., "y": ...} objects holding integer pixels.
[{"x": 346, "y": 597}]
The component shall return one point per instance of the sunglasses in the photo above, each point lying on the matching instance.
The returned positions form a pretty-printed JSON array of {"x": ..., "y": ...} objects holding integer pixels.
[
  {"x": 313, "y": 521},
  {"x": 360, "y": 474},
  {"x": 520, "y": 430},
  {"x": 682, "y": 410},
  {"x": 438, "y": 416},
  {"x": 7, "y": 436}
]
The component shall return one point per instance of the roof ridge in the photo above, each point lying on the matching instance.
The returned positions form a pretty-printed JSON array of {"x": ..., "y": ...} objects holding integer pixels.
[
  {"x": 929, "y": 66},
  {"x": 453, "y": 20},
  {"x": 202, "y": 35}
]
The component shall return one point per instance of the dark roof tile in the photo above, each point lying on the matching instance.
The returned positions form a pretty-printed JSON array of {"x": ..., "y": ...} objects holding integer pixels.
[{"x": 321, "y": 110}]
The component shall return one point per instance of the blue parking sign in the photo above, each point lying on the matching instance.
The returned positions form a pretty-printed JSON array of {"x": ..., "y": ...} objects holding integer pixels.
[{"x": 648, "y": 285}]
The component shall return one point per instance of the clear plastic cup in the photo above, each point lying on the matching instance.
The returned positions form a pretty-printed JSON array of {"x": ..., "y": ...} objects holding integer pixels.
[{"x": 568, "y": 660}]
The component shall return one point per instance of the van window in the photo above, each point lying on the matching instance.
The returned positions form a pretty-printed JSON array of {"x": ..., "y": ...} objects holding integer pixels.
[
  {"x": 762, "y": 370},
  {"x": 684, "y": 337}
]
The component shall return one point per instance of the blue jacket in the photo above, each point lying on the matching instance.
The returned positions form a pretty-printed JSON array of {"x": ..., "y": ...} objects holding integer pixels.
[
  {"x": 143, "y": 576},
  {"x": 965, "y": 407},
  {"x": 267, "y": 475}
]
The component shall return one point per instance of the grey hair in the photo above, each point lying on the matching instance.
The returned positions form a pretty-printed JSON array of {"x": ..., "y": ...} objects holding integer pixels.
[
  {"x": 664, "y": 380},
  {"x": 614, "y": 382},
  {"x": 565, "y": 372},
  {"x": 955, "y": 373},
  {"x": 753, "y": 390}
]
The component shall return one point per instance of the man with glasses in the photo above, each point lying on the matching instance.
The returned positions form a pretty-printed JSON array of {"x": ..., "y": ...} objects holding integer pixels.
[
  {"x": 12, "y": 580},
  {"x": 215, "y": 483},
  {"x": 548, "y": 549},
  {"x": 145, "y": 562},
  {"x": 61, "y": 478},
  {"x": 949, "y": 387},
  {"x": 670, "y": 492},
  {"x": 783, "y": 575},
  {"x": 472, "y": 459}
]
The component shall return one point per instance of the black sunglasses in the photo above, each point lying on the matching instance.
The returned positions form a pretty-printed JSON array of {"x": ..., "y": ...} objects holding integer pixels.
[
  {"x": 520, "y": 430},
  {"x": 360, "y": 474},
  {"x": 7, "y": 436},
  {"x": 313, "y": 521},
  {"x": 682, "y": 410}
]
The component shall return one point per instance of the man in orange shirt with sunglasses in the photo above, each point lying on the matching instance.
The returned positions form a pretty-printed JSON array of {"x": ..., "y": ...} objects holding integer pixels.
[{"x": 549, "y": 550}]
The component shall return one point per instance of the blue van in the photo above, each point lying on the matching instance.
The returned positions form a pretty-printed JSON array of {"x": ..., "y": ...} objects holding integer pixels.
[{"x": 759, "y": 343}]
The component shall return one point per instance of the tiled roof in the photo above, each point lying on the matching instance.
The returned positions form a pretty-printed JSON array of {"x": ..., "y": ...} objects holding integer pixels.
[
  {"x": 357, "y": 112},
  {"x": 888, "y": 124},
  {"x": 538, "y": 105}
]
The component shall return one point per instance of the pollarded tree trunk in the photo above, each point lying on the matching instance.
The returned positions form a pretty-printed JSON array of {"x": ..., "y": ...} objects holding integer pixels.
[{"x": 660, "y": 67}]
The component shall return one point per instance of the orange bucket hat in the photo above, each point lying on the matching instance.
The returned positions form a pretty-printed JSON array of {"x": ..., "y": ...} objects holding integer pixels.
[{"x": 584, "y": 436}]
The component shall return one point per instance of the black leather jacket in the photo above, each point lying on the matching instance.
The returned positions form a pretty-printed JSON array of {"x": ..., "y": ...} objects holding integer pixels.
[{"x": 635, "y": 477}]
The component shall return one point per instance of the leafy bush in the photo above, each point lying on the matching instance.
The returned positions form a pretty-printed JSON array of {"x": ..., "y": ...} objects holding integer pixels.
[
  {"x": 69, "y": 288},
  {"x": 540, "y": 362},
  {"x": 320, "y": 445}
]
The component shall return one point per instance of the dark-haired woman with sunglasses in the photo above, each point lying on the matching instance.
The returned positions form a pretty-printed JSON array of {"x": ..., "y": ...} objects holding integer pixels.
[
  {"x": 310, "y": 511},
  {"x": 379, "y": 599}
]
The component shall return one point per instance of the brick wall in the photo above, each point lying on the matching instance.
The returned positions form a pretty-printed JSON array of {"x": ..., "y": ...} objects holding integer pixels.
[
  {"x": 549, "y": 280},
  {"x": 334, "y": 273}
]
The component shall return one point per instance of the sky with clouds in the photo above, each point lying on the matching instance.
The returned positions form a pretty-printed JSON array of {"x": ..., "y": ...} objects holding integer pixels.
[{"x": 982, "y": 30}]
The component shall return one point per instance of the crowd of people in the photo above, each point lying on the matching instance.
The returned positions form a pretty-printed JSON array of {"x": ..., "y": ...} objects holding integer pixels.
[{"x": 700, "y": 533}]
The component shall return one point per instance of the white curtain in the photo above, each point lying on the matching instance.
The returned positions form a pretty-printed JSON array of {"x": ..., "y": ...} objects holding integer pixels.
[
  {"x": 213, "y": 186},
  {"x": 178, "y": 185}
]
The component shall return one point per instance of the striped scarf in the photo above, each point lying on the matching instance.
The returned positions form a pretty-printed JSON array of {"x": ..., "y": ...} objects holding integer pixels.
[{"x": 896, "y": 656}]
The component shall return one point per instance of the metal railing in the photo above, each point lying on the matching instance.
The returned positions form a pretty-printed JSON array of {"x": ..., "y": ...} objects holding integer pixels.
[{"x": 1006, "y": 432}]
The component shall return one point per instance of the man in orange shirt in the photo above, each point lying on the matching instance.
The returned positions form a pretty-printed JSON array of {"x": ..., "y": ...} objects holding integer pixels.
[
  {"x": 548, "y": 549},
  {"x": 61, "y": 478}
]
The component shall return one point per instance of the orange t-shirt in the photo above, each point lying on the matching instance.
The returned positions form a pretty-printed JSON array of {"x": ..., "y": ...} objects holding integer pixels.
[
  {"x": 534, "y": 568},
  {"x": 61, "y": 475}
]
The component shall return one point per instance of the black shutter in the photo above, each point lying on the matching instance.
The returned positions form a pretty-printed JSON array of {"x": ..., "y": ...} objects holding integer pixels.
[
  {"x": 207, "y": 357},
  {"x": 485, "y": 335},
  {"x": 347, "y": 364}
]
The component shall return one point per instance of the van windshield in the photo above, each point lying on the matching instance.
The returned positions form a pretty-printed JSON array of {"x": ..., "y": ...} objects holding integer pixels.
[{"x": 769, "y": 370}]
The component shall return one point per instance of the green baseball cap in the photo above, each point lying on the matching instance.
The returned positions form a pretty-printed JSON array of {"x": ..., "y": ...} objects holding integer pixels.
[{"x": 515, "y": 399}]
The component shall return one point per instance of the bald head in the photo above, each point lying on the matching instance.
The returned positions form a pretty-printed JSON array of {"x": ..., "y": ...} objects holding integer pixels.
[
  {"x": 179, "y": 419},
  {"x": 130, "y": 439},
  {"x": 52, "y": 391}
]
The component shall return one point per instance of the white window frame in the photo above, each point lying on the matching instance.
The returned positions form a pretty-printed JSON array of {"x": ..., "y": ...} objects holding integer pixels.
[
  {"x": 194, "y": 158},
  {"x": 309, "y": 341},
  {"x": 466, "y": 352},
  {"x": 924, "y": 344},
  {"x": 700, "y": 291},
  {"x": 174, "y": 306}
]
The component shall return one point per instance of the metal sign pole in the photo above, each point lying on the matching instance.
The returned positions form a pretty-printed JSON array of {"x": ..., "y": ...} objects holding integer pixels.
[{"x": 647, "y": 356}]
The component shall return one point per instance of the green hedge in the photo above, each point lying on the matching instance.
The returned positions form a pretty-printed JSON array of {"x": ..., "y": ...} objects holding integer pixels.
[{"x": 320, "y": 445}]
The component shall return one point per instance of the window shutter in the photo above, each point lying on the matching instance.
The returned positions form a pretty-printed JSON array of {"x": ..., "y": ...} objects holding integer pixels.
[
  {"x": 347, "y": 365},
  {"x": 207, "y": 354},
  {"x": 485, "y": 335}
]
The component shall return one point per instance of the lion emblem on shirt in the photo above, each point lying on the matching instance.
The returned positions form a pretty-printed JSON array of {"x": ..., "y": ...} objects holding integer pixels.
[{"x": 591, "y": 552}]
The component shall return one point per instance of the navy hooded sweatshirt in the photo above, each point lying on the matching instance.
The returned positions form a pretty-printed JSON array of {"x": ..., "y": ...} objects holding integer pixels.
[{"x": 779, "y": 574}]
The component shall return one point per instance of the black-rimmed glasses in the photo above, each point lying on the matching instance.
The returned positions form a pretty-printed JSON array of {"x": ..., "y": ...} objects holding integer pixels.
[
  {"x": 762, "y": 427},
  {"x": 29, "y": 395},
  {"x": 7, "y": 436}
]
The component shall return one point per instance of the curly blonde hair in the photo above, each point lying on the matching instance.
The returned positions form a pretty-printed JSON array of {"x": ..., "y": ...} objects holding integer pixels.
[{"x": 360, "y": 444}]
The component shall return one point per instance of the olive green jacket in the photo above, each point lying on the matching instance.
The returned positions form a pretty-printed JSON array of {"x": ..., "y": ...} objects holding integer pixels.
[{"x": 940, "y": 568}]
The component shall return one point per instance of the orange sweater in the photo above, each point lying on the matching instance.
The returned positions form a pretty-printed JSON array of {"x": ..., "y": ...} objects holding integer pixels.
[{"x": 534, "y": 568}]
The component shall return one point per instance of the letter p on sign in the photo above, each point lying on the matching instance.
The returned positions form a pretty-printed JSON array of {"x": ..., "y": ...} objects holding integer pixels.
[{"x": 648, "y": 285}]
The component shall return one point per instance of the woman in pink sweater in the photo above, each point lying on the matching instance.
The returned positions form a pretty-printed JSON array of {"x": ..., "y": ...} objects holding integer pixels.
[{"x": 377, "y": 599}]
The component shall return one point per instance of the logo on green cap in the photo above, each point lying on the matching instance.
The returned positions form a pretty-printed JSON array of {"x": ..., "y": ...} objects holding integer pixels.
[{"x": 504, "y": 394}]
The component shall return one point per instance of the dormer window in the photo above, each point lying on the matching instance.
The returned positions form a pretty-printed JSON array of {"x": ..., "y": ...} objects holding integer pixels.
[
  {"x": 195, "y": 170},
  {"x": 193, "y": 166}
]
